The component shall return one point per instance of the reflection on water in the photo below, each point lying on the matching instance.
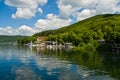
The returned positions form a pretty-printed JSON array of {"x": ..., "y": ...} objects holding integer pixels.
[{"x": 24, "y": 63}]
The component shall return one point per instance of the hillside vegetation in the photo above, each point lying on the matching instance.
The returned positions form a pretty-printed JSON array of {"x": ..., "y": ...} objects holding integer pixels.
[
  {"x": 88, "y": 31},
  {"x": 6, "y": 38}
]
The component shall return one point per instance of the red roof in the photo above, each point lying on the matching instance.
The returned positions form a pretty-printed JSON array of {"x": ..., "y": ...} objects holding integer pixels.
[{"x": 40, "y": 38}]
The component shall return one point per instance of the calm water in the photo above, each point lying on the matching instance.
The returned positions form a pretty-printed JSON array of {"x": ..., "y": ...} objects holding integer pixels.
[{"x": 24, "y": 63}]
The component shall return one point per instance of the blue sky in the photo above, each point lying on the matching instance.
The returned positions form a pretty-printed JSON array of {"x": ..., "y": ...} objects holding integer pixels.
[
  {"x": 26, "y": 17},
  {"x": 6, "y": 12}
]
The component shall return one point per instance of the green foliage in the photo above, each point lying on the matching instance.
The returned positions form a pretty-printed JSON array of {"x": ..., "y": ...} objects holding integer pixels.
[
  {"x": 86, "y": 48},
  {"x": 105, "y": 26},
  {"x": 26, "y": 40},
  {"x": 6, "y": 38}
]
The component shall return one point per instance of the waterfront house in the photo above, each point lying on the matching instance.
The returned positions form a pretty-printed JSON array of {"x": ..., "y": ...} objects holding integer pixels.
[
  {"x": 68, "y": 45},
  {"x": 39, "y": 39}
]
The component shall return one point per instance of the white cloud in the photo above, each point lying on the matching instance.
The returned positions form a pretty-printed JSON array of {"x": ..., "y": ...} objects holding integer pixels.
[
  {"x": 107, "y": 6},
  {"x": 86, "y": 13},
  {"x": 22, "y": 30},
  {"x": 25, "y": 8},
  {"x": 66, "y": 11},
  {"x": 25, "y": 30},
  {"x": 40, "y": 10},
  {"x": 51, "y": 22},
  {"x": 6, "y": 31},
  {"x": 42, "y": 2},
  {"x": 24, "y": 13},
  {"x": 9, "y": 29},
  {"x": 69, "y": 8}
]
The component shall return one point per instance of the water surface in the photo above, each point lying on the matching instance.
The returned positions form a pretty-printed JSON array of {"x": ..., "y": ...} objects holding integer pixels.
[{"x": 24, "y": 63}]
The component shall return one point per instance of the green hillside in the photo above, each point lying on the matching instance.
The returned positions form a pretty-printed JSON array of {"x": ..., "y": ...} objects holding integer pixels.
[
  {"x": 105, "y": 26},
  {"x": 6, "y": 38},
  {"x": 93, "y": 23}
]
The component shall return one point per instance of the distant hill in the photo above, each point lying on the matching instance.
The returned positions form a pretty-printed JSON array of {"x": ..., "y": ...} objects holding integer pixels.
[
  {"x": 104, "y": 26},
  {"x": 6, "y": 38}
]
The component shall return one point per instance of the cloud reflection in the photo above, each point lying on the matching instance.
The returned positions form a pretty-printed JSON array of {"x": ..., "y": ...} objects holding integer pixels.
[
  {"x": 25, "y": 73},
  {"x": 29, "y": 66}
]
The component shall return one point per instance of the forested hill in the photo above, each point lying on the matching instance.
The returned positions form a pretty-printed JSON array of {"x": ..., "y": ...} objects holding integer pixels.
[
  {"x": 105, "y": 26},
  {"x": 93, "y": 23},
  {"x": 6, "y": 38}
]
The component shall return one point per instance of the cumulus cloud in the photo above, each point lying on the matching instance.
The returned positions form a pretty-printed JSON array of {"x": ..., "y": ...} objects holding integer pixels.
[
  {"x": 26, "y": 8},
  {"x": 25, "y": 30},
  {"x": 86, "y": 8},
  {"x": 24, "y": 13},
  {"x": 107, "y": 6},
  {"x": 51, "y": 22},
  {"x": 86, "y": 13},
  {"x": 70, "y": 7},
  {"x": 22, "y": 30},
  {"x": 6, "y": 31}
]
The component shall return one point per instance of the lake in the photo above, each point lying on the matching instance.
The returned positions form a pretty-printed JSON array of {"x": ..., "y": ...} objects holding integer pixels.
[{"x": 25, "y": 63}]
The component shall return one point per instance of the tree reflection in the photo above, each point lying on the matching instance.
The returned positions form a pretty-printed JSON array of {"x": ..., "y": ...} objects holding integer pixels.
[{"x": 102, "y": 62}]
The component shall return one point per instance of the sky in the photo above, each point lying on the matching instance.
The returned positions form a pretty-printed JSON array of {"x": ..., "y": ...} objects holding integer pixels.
[{"x": 27, "y": 17}]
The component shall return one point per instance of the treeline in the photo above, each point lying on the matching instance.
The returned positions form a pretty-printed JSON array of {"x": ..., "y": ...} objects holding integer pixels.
[
  {"x": 87, "y": 32},
  {"x": 6, "y": 38},
  {"x": 26, "y": 40}
]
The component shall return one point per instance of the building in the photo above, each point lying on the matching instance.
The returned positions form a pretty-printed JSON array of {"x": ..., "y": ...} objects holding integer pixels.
[
  {"x": 39, "y": 39},
  {"x": 68, "y": 45}
]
